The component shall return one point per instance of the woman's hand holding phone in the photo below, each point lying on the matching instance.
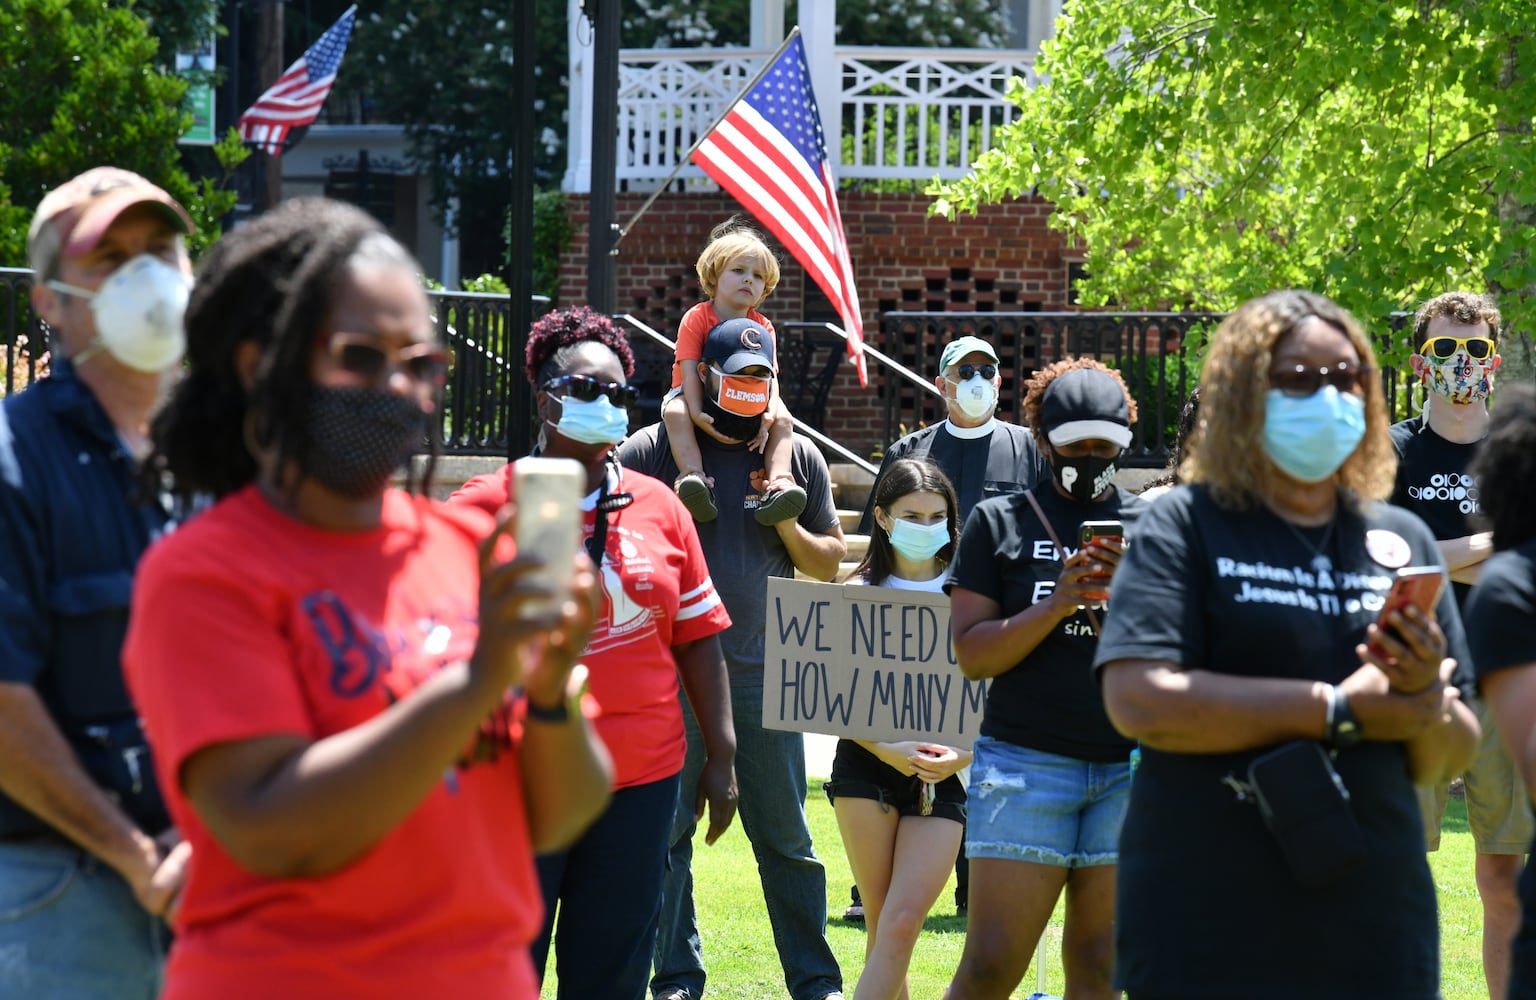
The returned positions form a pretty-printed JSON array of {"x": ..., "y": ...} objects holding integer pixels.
[
  {"x": 1406, "y": 642},
  {"x": 532, "y": 630},
  {"x": 1410, "y": 649}
]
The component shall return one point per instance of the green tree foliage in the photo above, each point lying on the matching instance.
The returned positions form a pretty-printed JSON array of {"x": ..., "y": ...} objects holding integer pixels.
[
  {"x": 178, "y": 25},
  {"x": 443, "y": 69},
  {"x": 84, "y": 93},
  {"x": 1378, "y": 152}
]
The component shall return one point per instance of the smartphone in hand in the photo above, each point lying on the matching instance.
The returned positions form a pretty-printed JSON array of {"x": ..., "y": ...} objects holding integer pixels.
[
  {"x": 1099, "y": 531},
  {"x": 1414, "y": 586},
  {"x": 548, "y": 492},
  {"x": 1093, "y": 531}
]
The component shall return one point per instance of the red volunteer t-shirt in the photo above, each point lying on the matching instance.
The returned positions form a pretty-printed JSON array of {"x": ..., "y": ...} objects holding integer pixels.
[
  {"x": 657, "y": 593},
  {"x": 695, "y": 326},
  {"x": 247, "y": 623}
]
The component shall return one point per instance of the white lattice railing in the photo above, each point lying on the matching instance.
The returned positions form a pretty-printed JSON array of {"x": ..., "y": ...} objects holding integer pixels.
[{"x": 907, "y": 114}]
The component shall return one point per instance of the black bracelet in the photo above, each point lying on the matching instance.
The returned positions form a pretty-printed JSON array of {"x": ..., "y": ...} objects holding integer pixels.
[
  {"x": 560, "y": 712},
  {"x": 1343, "y": 727}
]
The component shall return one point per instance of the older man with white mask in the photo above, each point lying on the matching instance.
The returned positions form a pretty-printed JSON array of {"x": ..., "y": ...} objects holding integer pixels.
[{"x": 88, "y": 862}]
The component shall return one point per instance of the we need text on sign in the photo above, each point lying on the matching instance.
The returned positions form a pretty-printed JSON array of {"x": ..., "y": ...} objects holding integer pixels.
[{"x": 868, "y": 663}]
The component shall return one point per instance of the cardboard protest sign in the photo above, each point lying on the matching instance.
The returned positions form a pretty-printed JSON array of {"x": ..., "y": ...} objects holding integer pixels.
[{"x": 865, "y": 662}]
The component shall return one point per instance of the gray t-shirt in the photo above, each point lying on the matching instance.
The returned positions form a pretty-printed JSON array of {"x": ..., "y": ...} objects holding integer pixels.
[{"x": 741, "y": 553}]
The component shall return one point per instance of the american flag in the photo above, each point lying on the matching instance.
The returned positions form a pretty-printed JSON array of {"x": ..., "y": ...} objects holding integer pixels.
[
  {"x": 295, "y": 99},
  {"x": 770, "y": 152}
]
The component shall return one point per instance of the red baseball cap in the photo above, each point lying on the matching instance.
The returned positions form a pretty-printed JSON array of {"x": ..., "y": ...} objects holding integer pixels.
[{"x": 72, "y": 218}]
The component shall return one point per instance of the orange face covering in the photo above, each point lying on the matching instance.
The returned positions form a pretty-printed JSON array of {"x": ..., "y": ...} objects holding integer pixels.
[{"x": 745, "y": 395}]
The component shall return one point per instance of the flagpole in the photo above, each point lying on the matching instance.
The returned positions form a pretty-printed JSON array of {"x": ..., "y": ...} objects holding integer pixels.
[{"x": 683, "y": 160}]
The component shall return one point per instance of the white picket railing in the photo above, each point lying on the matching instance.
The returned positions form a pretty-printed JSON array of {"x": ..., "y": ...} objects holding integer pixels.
[{"x": 906, "y": 113}]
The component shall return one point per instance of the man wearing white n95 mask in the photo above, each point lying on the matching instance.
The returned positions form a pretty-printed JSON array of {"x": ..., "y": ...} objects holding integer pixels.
[
  {"x": 982, "y": 456},
  {"x": 88, "y": 862}
]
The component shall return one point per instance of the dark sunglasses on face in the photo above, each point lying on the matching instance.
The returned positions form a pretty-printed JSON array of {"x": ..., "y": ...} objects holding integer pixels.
[
  {"x": 988, "y": 372},
  {"x": 1478, "y": 348},
  {"x": 361, "y": 355},
  {"x": 1303, "y": 381},
  {"x": 587, "y": 389}
]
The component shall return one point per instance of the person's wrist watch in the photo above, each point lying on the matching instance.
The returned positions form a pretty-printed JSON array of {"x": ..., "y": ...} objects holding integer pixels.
[
  {"x": 558, "y": 712},
  {"x": 1343, "y": 728}
]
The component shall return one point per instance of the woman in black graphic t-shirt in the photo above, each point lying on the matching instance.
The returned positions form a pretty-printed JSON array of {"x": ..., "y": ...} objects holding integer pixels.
[
  {"x": 1242, "y": 620},
  {"x": 1501, "y": 619},
  {"x": 1051, "y": 776}
]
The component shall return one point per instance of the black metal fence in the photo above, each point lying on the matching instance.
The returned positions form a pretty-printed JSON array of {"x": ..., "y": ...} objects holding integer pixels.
[
  {"x": 1148, "y": 349},
  {"x": 473, "y": 420}
]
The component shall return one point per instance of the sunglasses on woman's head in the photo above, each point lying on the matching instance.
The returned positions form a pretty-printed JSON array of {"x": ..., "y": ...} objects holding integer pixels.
[
  {"x": 988, "y": 372},
  {"x": 360, "y": 354},
  {"x": 1300, "y": 380},
  {"x": 1478, "y": 348},
  {"x": 587, "y": 389}
]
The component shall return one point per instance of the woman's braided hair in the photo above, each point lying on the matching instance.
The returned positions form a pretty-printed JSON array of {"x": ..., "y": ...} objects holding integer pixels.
[{"x": 271, "y": 283}]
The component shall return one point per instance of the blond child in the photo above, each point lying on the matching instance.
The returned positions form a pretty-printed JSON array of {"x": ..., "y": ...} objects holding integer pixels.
[{"x": 737, "y": 272}]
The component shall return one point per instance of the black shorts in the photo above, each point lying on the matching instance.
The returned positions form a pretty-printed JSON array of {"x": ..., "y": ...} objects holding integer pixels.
[{"x": 859, "y": 774}]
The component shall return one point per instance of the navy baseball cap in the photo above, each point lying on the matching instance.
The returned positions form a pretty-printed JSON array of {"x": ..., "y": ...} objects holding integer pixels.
[{"x": 735, "y": 344}]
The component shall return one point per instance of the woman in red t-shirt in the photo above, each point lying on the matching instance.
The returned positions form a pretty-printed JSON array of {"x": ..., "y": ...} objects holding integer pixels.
[
  {"x": 325, "y": 666},
  {"x": 658, "y": 621}
]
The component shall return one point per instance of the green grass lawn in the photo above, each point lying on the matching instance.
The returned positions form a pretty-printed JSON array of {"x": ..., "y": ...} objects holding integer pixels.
[{"x": 743, "y": 965}]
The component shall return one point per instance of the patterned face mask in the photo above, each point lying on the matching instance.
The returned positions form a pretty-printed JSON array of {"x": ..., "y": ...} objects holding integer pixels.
[
  {"x": 1460, "y": 378},
  {"x": 359, "y": 437}
]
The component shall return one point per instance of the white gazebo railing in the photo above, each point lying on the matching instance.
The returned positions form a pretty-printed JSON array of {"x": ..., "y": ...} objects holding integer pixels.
[
  {"x": 904, "y": 113},
  {"x": 916, "y": 114}
]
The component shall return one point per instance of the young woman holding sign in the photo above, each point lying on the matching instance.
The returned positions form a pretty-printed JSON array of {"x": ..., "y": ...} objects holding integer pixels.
[{"x": 900, "y": 806}]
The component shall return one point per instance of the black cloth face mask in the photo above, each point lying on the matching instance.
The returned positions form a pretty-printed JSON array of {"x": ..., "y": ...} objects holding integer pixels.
[
  {"x": 1083, "y": 478},
  {"x": 733, "y": 425},
  {"x": 359, "y": 437}
]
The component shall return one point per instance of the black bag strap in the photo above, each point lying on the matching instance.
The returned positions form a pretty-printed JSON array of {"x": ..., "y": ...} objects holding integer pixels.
[{"x": 1061, "y": 551}]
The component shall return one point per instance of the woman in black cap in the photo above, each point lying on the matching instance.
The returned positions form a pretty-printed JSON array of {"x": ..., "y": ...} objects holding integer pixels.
[{"x": 1051, "y": 776}]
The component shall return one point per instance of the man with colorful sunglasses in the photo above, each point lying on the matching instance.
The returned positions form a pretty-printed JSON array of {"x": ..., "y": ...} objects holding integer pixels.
[{"x": 1456, "y": 336}]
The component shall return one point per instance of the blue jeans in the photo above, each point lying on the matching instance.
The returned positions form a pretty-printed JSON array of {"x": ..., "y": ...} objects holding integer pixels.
[
  {"x": 1029, "y": 805},
  {"x": 608, "y": 885},
  {"x": 770, "y": 771},
  {"x": 71, "y": 928}
]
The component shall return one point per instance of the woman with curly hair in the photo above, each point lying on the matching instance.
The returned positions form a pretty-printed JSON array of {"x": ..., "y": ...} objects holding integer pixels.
[
  {"x": 658, "y": 622},
  {"x": 356, "y": 710},
  {"x": 1050, "y": 777},
  {"x": 1273, "y": 846},
  {"x": 1501, "y": 618}
]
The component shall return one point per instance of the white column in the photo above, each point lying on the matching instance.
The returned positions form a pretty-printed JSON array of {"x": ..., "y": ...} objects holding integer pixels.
[
  {"x": 767, "y": 24},
  {"x": 818, "y": 26},
  {"x": 578, "y": 122},
  {"x": 449, "y": 269}
]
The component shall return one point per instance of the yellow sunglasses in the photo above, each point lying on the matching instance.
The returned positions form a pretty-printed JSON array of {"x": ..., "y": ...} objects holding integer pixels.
[{"x": 1478, "y": 348}]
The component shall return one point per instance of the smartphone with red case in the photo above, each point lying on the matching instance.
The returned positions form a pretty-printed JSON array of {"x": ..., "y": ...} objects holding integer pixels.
[
  {"x": 1415, "y": 586},
  {"x": 1099, "y": 531}
]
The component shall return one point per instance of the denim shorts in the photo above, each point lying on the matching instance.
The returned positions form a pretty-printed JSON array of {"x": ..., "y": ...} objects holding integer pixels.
[
  {"x": 1028, "y": 805},
  {"x": 859, "y": 774}
]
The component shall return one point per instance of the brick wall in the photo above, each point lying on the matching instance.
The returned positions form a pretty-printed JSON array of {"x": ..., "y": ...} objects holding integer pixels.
[{"x": 1001, "y": 259}]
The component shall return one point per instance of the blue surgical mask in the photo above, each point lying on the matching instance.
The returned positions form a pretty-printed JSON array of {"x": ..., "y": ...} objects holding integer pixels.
[
  {"x": 919, "y": 542},
  {"x": 1309, "y": 437},
  {"x": 597, "y": 422}
]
